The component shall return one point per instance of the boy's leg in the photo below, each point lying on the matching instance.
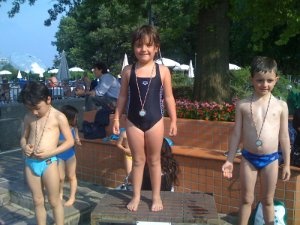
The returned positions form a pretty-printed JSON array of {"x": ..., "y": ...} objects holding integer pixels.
[
  {"x": 71, "y": 174},
  {"x": 51, "y": 182},
  {"x": 137, "y": 146},
  {"x": 61, "y": 168},
  {"x": 153, "y": 140},
  {"x": 268, "y": 180},
  {"x": 36, "y": 187},
  {"x": 248, "y": 176}
]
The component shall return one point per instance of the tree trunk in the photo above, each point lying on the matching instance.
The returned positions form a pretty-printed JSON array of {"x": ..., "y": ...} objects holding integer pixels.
[{"x": 212, "y": 46}]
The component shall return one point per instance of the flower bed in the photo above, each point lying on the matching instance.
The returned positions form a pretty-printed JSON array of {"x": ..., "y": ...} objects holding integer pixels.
[{"x": 205, "y": 111}]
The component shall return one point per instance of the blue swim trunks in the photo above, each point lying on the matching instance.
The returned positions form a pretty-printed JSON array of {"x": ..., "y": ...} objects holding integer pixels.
[
  {"x": 259, "y": 161},
  {"x": 38, "y": 167}
]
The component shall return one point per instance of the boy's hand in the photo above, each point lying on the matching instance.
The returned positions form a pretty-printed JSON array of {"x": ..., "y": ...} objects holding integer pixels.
[
  {"x": 42, "y": 155},
  {"x": 28, "y": 150},
  {"x": 227, "y": 169},
  {"x": 286, "y": 173}
]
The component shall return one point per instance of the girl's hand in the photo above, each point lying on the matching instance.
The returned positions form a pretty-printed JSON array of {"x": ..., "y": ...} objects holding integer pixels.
[
  {"x": 28, "y": 150},
  {"x": 173, "y": 129},
  {"x": 116, "y": 127},
  {"x": 227, "y": 169},
  {"x": 78, "y": 142}
]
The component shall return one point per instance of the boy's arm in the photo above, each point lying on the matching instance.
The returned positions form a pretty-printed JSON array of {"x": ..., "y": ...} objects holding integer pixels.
[
  {"x": 27, "y": 149},
  {"x": 284, "y": 140},
  {"x": 120, "y": 142},
  {"x": 169, "y": 99},
  {"x": 77, "y": 138},
  {"x": 236, "y": 134}
]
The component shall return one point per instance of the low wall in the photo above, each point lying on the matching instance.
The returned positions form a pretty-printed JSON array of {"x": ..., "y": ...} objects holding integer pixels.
[
  {"x": 199, "y": 149},
  {"x": 11, "y": 121}
]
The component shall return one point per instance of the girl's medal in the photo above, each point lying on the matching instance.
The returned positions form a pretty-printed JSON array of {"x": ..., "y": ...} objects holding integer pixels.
[{"x": 142, "y": 113}]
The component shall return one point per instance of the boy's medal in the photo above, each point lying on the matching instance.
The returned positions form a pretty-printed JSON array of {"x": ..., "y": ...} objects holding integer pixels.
[
  {"x": 259, "y": 142},
  {"x": 142, "y": 112}
]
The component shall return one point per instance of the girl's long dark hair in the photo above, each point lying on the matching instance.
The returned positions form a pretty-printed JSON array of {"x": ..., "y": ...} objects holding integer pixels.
[{"x": 169, "y": 165}]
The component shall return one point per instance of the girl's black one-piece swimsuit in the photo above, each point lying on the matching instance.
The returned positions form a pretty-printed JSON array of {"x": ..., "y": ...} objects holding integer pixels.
[{"x": 154, "y": 102}]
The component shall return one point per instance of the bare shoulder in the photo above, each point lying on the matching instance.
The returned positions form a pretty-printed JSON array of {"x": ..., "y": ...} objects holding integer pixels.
[
  {"x": 164, "y": 71},
  {"x": 243, "y": 102},
  {"x": 58, "y": 115},
  {"x": 126, "y": 71},
  {"x": 280, "y": 104}
]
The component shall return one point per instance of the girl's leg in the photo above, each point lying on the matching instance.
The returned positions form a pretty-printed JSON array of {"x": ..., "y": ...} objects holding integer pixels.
[
  {"x": 268, "y": 179},
  {"x": 71, "y": 174},
  {"x": 61, "y": 169},
  {"x": 248, "y": 176},
  {"x": 137, "y": 146},
  {"x": 51, "y": 182},
  {"x": 36, "y": 187},
  {"x": 153, "y": 140}
]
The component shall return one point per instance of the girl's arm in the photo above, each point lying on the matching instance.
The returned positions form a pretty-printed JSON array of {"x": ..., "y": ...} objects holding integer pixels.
[
  {"x": 122, "y": 99},
  {"x": 169, "y": 99},
  {"x": 120, "y": 143},
  {"x": 77, "y": 138}
]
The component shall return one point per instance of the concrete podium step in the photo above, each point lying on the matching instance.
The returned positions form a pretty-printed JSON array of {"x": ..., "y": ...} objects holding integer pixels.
[{"x": 179, "y": 209}]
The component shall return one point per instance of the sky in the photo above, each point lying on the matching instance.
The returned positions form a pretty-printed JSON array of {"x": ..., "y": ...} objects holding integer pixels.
[{"x": 25, "y": 33}]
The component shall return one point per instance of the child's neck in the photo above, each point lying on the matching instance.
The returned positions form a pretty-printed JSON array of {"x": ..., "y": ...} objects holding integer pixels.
[{"x": 261, "y": 97}]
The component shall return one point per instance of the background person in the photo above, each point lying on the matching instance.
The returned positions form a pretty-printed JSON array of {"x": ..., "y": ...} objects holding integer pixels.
[{"x": 105, "y": 94}]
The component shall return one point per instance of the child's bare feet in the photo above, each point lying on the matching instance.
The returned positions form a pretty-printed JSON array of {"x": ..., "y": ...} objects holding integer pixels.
[
  {"x": 157, "y": 205},
  {"x": 133, "y": 204},
  {"x": 70, "y": 202}
]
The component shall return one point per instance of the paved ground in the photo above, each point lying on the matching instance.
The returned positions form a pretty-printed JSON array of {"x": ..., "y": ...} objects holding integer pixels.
[{"x": 16, "y": 204}]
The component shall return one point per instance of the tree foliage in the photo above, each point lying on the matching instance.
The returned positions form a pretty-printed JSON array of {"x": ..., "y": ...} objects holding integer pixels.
[{"x": 100, "y": 30}]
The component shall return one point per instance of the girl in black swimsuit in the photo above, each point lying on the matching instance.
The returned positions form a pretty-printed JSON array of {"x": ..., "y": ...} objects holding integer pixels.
[{"x": 145, "y": 82}]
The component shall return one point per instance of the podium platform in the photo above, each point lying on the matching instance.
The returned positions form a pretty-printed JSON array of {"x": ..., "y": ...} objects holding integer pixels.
[{"x": 179, "y": 209}]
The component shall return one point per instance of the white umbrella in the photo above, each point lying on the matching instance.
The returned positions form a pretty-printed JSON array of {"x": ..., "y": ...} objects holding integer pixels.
[
  {"x": 41, "y": 75},
  {"x": 182, "y": 67},
  {"x": 125, "y": 61},
  {"x": 167, "y": 62},
  {"x": 5, "y": 72},
  {"x": 19, "y": 75},
  {"x": 234, "y": 67},
  {"x": 76, "y": 69},
  {"x": 53, "y": 71},
  {"x": 191, "y": 70}
]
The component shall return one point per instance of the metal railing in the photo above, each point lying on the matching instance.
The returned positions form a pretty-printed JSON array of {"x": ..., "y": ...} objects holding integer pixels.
[{"x": 9, "y": 92}]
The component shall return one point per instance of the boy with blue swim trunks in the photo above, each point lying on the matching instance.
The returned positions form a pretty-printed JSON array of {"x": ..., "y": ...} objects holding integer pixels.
[
  {"x": 39, "y": 142},
  {"x": 67, "y": 159},
  {"x": 261, "y": 122}
]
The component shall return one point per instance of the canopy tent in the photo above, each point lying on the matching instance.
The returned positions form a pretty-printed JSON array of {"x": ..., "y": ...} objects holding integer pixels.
[
  {"x": 63, "y": 70},
  {"x": 76, "y": 69},
  {"x": 168, "y": 62},
  {"x": 5, "y": 72}
]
